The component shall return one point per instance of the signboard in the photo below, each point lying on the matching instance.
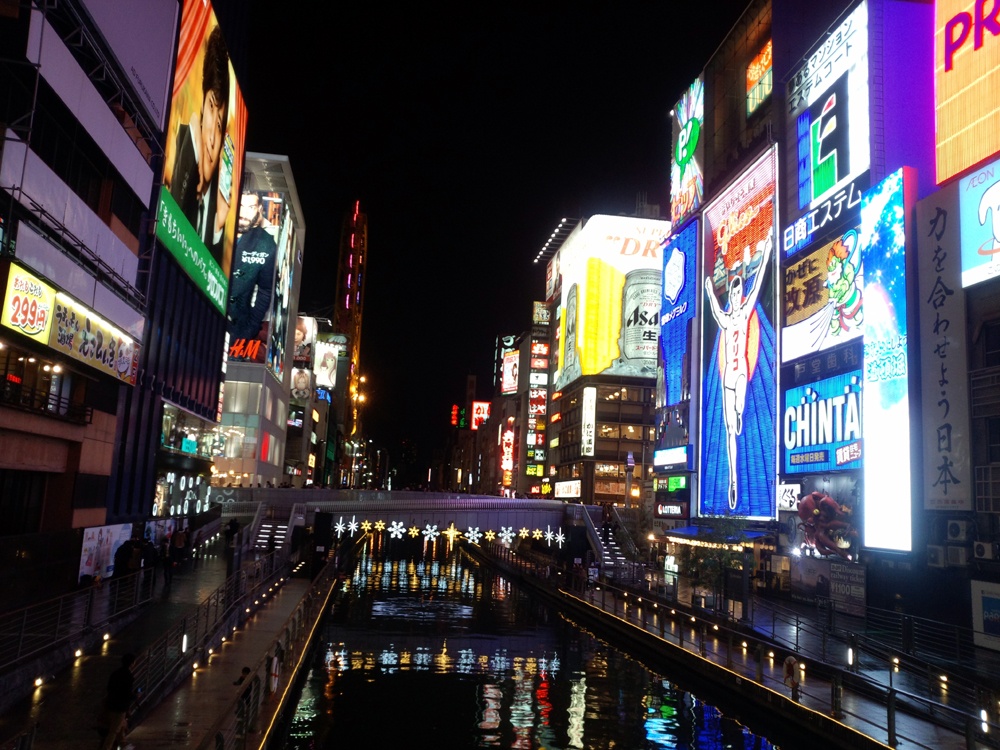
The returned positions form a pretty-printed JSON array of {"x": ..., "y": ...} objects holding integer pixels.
[
  {"x": 58, "y": 321},
  {"x": 611, "y": 298},
  {"x": 588, "y": 423},
  {"x": 946, "y": 472},
  {"x": 827, "y": 150},
  {"x": 480, "y": 413},
  {"x": 508, "y": 372},
  {"x": 966, "y": 85},
  {"x": 569, "y": 489},
  {"x": 203, "y": 157},
  {"x": 739, "y": 403},
  {"x": 679, "y": 305},
  {"x": 821, "y": 427},
  {"x": 823, "y": 303},
  {"x": 980, "y": 224},
  {"x": 687, "y": 182},
  {"x": 760, "y": 79},
  {"x": 886, "y": 417}
]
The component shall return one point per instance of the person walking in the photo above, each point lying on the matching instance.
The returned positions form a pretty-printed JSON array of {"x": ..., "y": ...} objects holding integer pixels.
[{"x": 118, "y": 700}]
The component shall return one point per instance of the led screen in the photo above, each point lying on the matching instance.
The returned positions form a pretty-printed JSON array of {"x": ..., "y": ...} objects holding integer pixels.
[
  {"x": 284, "y": 268},
  {"x": 678, "y": 307},
  {"x": 979, "y": 209},
  {"x": 966, "y": 84},
  {"x": 611, "y": 281},
  {"x": 822, "y": 300},
  {"x": 508, "y": 372},
  {"x": 480, "y": 413},
  {"x": 738, "y": 453},
  {"x": 687, "y": 183},
  {"x": 821, "y": 425},
  {"x": 827, "y": 125},
  {"x": 327, "y": 353},
  {"x": 886, "y": 417},
  {"x": 203, "y": 157},
  {"x": 305, "y": 342}
]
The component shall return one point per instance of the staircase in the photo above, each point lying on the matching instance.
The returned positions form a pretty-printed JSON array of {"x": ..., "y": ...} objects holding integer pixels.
[{"x": 271, "y": 528}]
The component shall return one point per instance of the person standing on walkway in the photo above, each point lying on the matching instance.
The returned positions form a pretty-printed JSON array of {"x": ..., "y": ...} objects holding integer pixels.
[
  {"x": 120, "y": 694},
  {"x": 168, "y": 562}
]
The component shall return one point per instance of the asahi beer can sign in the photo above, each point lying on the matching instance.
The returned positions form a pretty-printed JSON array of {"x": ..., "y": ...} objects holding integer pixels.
[{"x": 640, "y": 321}]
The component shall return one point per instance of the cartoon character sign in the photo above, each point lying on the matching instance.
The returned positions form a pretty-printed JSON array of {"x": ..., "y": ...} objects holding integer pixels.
[{"x": 825, "y": 526}]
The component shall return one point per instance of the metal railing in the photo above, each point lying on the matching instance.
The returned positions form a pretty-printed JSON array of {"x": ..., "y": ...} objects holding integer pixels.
[{"x": 40, "y": 401}]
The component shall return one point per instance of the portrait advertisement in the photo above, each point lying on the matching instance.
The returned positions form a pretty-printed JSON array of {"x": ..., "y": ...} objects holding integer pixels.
[{"x": 203, "y": 156}]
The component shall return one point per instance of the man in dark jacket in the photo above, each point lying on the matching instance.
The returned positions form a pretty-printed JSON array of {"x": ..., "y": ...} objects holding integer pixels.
[
  {"x": 252, "y": 280},
  {"x": 121, "y": 693}
]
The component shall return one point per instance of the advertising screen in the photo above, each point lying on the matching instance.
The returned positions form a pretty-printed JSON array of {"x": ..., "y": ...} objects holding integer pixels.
[
  {"x": 508, "y": 373},
  {"x": 823, "y": 304},
  {"x": 480, "y": 413},
  {"x": 301, "y": 384},
  {"x": 252, "y": 286},
  {"x": 886, "y": 417},
  {"x": 966, "y": 84},
  {"x": 588, "y": 421},
  {"x": 203, "y": 158},
  {"x": 611, "y": 298},
  {"x": 760, "y": 78},
  {"x": 678, "y": 308},
  {"x": 687, "y": 181},
  {"x": 97, "y": 558},
  {"x": 327, "y": 353},
  {"x": 739, "y": 401},
  {"x": 305, "y": 342},
  {"x": 827, "y": 152},
  {"x": 946, "y": 473},
  {"x": 821, "y": 425},
  {"x": 979, "y": 211},
  {"x": 284, "y": 268}
]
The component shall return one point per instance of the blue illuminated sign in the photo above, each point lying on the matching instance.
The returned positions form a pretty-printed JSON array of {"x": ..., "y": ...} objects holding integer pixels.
[
  {"x": 680, "y": 287},
  {"x": 821, "y": 425}
]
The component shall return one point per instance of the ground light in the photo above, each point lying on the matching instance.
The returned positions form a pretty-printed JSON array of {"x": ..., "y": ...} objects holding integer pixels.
[{"x": 984, "y": 717}]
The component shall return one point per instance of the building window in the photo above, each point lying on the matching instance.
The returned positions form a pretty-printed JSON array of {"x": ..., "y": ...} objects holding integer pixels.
[{"x": 991, "y": 344}]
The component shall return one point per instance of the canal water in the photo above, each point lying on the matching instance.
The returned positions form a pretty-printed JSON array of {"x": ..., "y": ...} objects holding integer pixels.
[{"x": 429, "y": 649}]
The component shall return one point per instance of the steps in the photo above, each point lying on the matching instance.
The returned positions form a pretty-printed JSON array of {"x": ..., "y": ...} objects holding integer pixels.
[{"x": 269, "y": 528}]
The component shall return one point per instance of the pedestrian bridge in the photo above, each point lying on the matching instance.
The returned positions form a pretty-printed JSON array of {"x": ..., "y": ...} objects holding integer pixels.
[{"x": 402, "y": 513}]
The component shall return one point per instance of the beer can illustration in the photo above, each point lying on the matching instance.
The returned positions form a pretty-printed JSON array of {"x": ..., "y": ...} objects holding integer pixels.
[
  {"x": 640, "y": 329},
  {"x": 571, "y": 355}
]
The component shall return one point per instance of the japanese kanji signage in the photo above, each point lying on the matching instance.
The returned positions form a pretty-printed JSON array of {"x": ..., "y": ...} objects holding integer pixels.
[{"x": 946, "y": 477}]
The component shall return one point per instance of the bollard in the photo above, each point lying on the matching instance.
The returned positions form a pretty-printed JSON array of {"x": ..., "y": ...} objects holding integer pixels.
[
  {"x": 891, "y": 719},
  {"x": 837, "y": 697}
]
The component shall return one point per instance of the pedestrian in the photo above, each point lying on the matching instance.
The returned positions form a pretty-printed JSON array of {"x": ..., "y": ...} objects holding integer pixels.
[
  {"x": 149, "y": 555},
  {"x": 244, "y": 673},
  {"x": 168, "y": 562},
  {"x": 117, "y": 702},
  {"x": 178, "y": 542}
]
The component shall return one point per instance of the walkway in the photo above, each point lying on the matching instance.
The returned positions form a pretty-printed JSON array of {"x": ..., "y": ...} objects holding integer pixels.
[{"x": 66, "y": 710}]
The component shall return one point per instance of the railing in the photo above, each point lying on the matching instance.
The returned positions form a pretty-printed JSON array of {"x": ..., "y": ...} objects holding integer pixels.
[
  {"x": 873, "y": 671},
  {"x": 38, "y": 401}
]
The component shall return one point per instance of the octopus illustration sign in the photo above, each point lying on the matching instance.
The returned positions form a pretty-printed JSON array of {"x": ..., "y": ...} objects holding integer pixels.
[{"x": 739, "y": 403}]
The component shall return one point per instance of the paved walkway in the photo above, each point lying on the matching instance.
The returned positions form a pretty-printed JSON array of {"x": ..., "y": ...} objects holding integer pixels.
[{"x": 66, "y": 711}]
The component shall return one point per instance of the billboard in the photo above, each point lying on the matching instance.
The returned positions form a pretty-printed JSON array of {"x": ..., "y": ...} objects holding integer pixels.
[
  {"x": 508, "y": 372},
  {"x": 610, "y": 320},
  {"x": 687, "y": 181},
  {"x": 588, "y": 421},
  {"x": 679, "y": 305},
  {"x": 56, "y": 320},
  {"x": 284, "y": 269},
  {"x": 252, "y": 286},
  {"x": 327, "y": 352},
  {"x": 821, "y": 425},
  {"x": 979, "y": 212},
  {"x": 827, "y": 123},
  {"x": 946, "y": 472},
  {"x": 822, "y": 299},
  {"x": 886, "y": 417},
  {"x": 966, "y": 85},
  {"x": 305, "y": 342},
  {"x": 760, "y": 78},
  {"x": 203, "y": 158},
  {"x": 480, "y": 413},
  {"x": 739, "y": 403}
]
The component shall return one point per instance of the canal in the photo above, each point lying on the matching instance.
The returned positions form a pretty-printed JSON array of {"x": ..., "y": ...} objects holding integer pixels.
[{"x": 427, "y": 648}]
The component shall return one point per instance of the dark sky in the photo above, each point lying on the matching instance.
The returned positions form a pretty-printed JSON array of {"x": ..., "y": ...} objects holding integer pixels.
[{"x": 467, "y": 133}]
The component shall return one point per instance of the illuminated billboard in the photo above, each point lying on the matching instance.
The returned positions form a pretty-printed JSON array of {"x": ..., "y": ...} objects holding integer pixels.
[
  {"x": 203, "y": 157},
  {"x": 827, "y": 152},
  {"x": 979, "y": 211},
  {"x": 886, "y": 416},
  {"x": 480, "y": 413},
  {"x": 56, "y": 320},
  {"x": 252, "y": 287},
  {"x": 822, "y": 300},
  {"x": 760, "y": 79},
  {"x": 687, "y": 181},
  {"x": 946, "y": 472},
  {"x": 678, "y": 307},
  {"x": 966, "y": 85},
  {"x": 611, "y": 285},
  {"x": 739, "y": 404},
  {"x": 508, "y": 372},
  {"x": 284, "y": 268},
  {"x": 305, "y": 342},
  {"x": 327, "y": 354},
  {"x": 821, "y": 425},
  {"x": 588, "y": 421}
]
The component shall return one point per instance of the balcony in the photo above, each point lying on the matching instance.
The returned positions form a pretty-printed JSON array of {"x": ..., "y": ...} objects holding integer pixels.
[{"x": 16, "y": 396}]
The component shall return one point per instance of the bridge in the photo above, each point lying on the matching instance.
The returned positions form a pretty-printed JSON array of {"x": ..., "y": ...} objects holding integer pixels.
[{"x": 406, "y": 514}]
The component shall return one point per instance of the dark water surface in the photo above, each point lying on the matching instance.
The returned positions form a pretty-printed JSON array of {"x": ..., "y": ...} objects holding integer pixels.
[{"x": 428, "y": 649}]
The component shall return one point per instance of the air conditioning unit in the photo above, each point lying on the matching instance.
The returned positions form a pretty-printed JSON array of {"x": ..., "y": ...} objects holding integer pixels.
[
  {"x": 936, "y": 556},
  {"x": 958, "y": 530},
  {"x": 984, "y": 551},
  {"x": 958, "y": 557}
]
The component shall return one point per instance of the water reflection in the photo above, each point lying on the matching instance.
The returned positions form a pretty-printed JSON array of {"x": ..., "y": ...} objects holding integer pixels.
[{"x": 428, "y": 649}]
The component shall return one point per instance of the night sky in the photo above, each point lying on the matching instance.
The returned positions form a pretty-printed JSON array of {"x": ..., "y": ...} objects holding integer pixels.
[{"x": 467, "y": 133}]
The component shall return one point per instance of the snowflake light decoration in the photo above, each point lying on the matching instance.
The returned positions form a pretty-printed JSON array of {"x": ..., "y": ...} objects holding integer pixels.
[
  {"x": 366, "y": 526},
  {"x": 380, "y": 525},
  {"x": 473, "y": 535},
  {"x": 339, "y": 527},
  {"x": 524, "y": 533},
  {"x": 506, "y": 534},
  {"x": 414, "y": 531},
  {"x": 560, "y": 538},
  {"x": 431, "y": 532},
  {"x": 490, "y": 535},
  {"x": 353, "y": 525},
  {"x": 396, "y": 530}
]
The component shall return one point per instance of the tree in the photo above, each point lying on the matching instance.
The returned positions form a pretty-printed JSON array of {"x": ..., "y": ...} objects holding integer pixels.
[{"x": 718, "y": 548}]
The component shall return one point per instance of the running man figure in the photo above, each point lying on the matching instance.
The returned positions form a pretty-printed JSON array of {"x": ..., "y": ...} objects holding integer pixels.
[{"x": 734, "y": 326}]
